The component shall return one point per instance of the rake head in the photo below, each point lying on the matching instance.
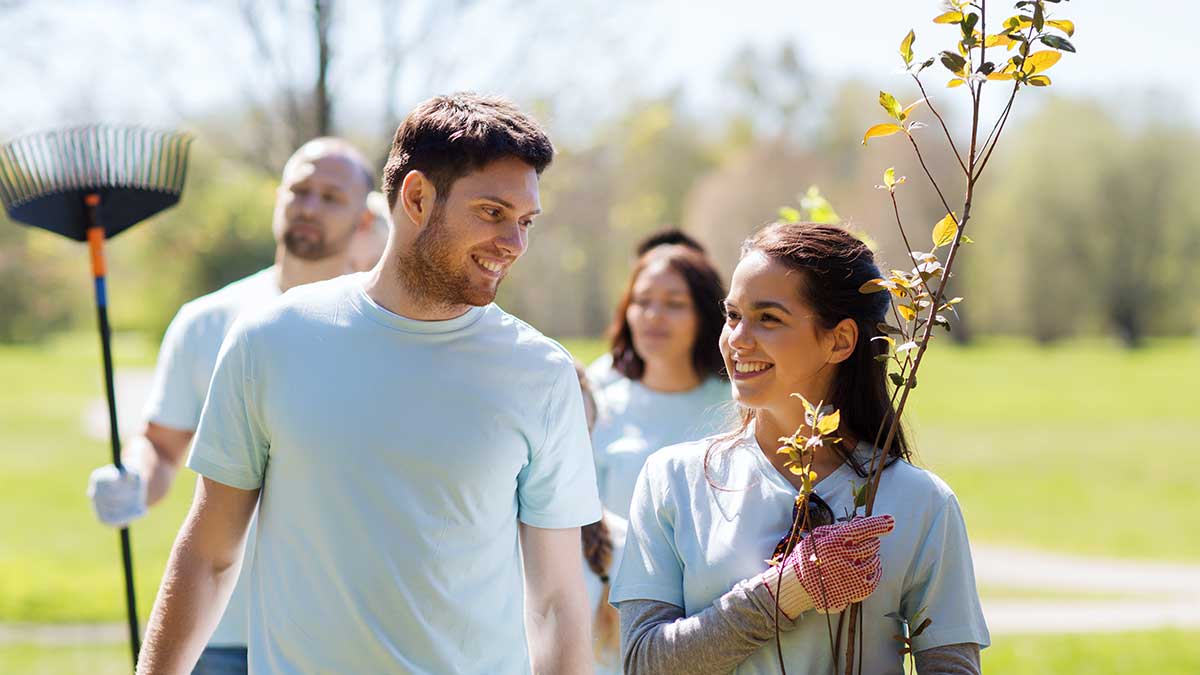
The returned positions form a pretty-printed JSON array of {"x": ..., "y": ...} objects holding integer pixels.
[{"x": 45, "y": 177}]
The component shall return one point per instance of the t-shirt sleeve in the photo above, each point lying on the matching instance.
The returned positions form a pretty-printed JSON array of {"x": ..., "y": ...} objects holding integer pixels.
[
  {"x": 232, "y": 444},
  {"x": 174, "y": 400},
  {"x": 942, "y": 581},
  {"x": 650, "y": 567},
  {"x": 557, "y": 488}
]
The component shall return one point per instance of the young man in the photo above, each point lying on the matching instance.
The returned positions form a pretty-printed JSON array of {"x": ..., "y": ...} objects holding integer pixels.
[
  {"x": 413, "y": 444},
  {"x": 320, "y": 209}
]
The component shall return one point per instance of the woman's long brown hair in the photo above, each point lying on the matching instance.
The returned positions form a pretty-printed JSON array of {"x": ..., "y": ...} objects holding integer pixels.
[{"x": 606, "y": 628}]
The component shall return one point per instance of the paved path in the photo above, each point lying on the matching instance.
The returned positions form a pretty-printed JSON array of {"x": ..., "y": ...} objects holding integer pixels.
[{"x": 1135, "y": 595}]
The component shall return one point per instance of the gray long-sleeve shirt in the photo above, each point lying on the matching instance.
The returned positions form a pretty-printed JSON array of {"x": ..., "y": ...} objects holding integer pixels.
[{"x": 657, "y": 638}]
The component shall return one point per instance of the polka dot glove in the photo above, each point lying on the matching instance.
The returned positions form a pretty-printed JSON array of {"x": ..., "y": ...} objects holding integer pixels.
[{"x": 832, "y": 568}]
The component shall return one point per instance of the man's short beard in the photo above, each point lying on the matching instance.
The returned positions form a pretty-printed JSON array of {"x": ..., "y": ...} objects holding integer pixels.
[
  {"x": 314, "y": 249},
  {"x": 429, "y": 271}
]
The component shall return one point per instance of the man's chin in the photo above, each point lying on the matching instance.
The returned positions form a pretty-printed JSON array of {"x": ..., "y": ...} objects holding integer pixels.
[{"x": 480, "y": 297}]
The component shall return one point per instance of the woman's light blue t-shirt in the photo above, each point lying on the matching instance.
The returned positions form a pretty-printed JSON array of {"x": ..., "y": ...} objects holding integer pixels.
[
  {"x": 395, "y": 458},
  {"x": 634, "y": 421},
  {"x": 689, "y": 543}
]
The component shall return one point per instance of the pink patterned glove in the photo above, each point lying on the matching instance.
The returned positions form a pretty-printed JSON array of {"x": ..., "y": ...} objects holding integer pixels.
[{"x": 834, "y": 566}]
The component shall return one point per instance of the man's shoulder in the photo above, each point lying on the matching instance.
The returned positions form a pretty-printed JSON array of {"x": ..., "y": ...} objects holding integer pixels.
[
  {"x": 315, "y": 303},
  {"x": 216, "y": 311},
  {"x": 233, "y": 297},
  {"x": 528, "y": 343}
]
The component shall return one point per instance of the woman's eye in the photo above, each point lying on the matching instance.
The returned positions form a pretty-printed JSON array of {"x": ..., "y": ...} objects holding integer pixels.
[
  {"x": 732, "y": 316},
  {"x": 766, "y": 318},
  {"x": 491, "y": 212}
]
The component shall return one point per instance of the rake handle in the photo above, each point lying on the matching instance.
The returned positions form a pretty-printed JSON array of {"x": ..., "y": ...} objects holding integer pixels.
[{"x": 95, "y": 237}]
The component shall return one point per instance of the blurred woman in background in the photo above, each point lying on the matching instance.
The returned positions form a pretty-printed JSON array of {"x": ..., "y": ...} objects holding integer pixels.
[{"x": 669, "y": 382}]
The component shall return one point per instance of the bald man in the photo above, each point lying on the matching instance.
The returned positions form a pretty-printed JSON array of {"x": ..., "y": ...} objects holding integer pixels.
[{"x": 320, "y": 215}]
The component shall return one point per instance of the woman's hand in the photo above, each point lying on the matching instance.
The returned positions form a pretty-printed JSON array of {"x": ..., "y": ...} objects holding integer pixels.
[{"x": 834, "y": 566}]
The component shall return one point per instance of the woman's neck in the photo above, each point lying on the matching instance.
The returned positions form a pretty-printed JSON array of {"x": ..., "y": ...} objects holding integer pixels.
[
  {"x": 770, "y": 426},
  {"x": 669, "y": 377}
]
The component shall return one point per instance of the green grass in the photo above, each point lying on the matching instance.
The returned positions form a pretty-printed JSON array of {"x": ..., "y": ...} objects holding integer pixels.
[
  {"x": 31, "y": 659},
  {"x": 1081, "y": 448},
  {"x": 1159, "y": 652},
  {"x": 1167, "y": 652},
  {"x": 57, "y": 563}
]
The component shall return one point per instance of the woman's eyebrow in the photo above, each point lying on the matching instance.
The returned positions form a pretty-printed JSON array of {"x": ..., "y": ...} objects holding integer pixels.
[{"x": 771, "y": 304}]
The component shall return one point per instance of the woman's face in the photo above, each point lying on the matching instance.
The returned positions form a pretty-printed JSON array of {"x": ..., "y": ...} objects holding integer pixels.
[
  {"x": 661, "y": 315},
  {"x": 772, "y": 343}
]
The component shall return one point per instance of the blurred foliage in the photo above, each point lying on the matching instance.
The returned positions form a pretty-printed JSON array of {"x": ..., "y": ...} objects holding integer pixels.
[{"x": 1097, "y": 237}]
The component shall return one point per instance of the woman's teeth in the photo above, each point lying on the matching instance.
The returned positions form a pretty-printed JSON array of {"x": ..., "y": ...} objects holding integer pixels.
[{"x": 751, "y": 367}]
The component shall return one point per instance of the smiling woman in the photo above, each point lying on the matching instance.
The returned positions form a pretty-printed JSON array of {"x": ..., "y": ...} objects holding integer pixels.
[{"x": 692, "y": 591}]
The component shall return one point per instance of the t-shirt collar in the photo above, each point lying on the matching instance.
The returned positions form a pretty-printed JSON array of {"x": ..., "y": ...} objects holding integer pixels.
[{"x": 385, "y": 317}]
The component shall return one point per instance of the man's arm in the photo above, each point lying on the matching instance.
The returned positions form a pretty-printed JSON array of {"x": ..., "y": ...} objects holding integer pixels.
[
  {"x": 556, "y": 605},
  {"x": 200, "y": 576},
  {"x": 157, "y": 455}
]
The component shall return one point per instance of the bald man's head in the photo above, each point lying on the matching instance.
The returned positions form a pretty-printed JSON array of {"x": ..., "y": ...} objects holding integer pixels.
[{"x": 322, "y": 199}]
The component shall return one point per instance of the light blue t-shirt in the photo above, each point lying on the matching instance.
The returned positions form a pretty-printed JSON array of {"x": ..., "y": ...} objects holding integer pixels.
[
  {"x": 689, "y": 543},
  {"x": 395, "y": 458},
  {"x": 634, "y": 421},
  {"x": 186, "y": 361}
]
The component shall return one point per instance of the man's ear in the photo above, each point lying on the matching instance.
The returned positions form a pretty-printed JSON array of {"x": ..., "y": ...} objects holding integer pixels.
[
  {"x": 417, "y": 196},
  {"x": 845, "y": 337}
]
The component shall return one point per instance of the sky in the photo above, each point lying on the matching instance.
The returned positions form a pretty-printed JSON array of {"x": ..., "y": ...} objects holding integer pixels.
[{"x": 167, "y": 62}]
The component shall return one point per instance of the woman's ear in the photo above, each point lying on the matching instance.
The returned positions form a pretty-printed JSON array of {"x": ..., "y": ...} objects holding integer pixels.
[
  {"x": 844, "y": 337},
  {"x": 417, "y": 196}
]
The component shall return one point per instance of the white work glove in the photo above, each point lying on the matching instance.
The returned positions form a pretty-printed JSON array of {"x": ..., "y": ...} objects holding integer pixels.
[{"x": 118, "y": 497}]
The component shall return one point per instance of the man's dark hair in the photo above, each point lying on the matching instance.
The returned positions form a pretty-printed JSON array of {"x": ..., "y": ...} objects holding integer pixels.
[
  {"x": 448, "y": 137},
  {"x": 669, "y": 237}
]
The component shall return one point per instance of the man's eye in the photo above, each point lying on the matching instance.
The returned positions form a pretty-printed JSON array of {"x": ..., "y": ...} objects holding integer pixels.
[
  {"x": 527, "y": 224},
  {"x": 491, "y": 212},
  {"x": 770, "y": 317}
]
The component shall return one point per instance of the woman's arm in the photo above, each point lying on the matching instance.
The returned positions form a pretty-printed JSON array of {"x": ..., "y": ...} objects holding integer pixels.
[
  {"x": 959, "y": 659},
  {"x": 657, "y": 638}
]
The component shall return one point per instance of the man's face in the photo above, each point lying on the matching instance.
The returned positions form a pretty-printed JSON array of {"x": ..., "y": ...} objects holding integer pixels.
[
  {"x": 474, "y": 236},
  {"x": 318, "y": 205}
]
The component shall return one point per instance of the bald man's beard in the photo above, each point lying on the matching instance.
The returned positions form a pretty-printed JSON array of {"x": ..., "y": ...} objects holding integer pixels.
[
  {"x": 430, "y": 272},
  {"x": 314, "y": 245}
]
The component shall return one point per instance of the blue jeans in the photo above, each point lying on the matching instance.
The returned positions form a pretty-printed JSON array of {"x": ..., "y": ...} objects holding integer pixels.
[{"x": 221, "y": 661}]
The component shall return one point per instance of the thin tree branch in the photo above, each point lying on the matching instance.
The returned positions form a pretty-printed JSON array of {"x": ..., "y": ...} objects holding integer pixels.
[{"x": 945, "y": 129}]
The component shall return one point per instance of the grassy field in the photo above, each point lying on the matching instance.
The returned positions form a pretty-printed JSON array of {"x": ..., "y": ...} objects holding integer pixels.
[
  {"x": 1157, "y": 653},
  {"x": 1080, "y": 448}
]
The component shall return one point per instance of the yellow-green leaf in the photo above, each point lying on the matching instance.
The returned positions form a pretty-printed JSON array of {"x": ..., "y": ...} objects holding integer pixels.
[
  {"x": 880, "y": 130},
  {"x": 796, "y": 470},
  {"x": 944, "y": 231},
  {"x": 1039, "y": 62},
  {"x": 889, "y": 177},
  {"x": 809, "y": 409},
  {"x": 956, "y": 82},
  {"x": 906, "y": 51},
  {"x": 904, "y": 113},
  {"x": 829, "y": 423},
  {"x": 1001, "y": 40},
  {"x": 1065, "y": 26},
  {"x": 907, "y": 312},
  {"x": 891, "y": 105},
  {"x": 872, "y": 286},
  {"x": 1000, "y": 76},
  {"x": 949, "y": 17},
  {"x": 1039, "y": 81}
]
